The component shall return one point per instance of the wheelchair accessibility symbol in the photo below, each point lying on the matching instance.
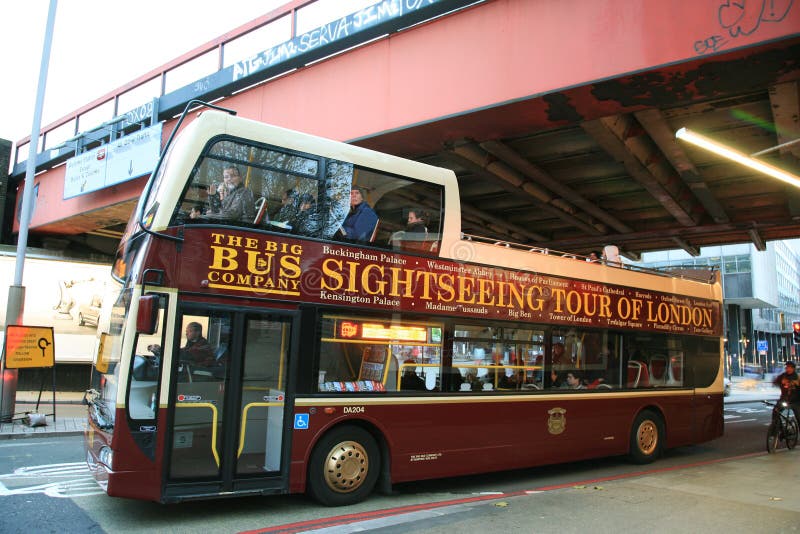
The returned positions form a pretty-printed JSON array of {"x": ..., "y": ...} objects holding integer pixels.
[{"x": 301, "y": 421}]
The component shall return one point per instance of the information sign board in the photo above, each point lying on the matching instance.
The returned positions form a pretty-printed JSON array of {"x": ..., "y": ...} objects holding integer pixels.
[
  {"x": 29, "y": 346},
  {"x": 123, "y": 159}
]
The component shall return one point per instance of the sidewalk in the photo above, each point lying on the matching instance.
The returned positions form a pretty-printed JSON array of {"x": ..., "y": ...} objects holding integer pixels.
[{"x": 70, "y": 415}]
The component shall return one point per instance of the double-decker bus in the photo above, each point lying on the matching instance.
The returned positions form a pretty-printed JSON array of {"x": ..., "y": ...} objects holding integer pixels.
[{"x": 269, "y": 349}]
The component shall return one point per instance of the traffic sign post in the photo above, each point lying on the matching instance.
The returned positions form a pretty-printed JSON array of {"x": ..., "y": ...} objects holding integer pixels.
[{"x": 31, "y": 347}]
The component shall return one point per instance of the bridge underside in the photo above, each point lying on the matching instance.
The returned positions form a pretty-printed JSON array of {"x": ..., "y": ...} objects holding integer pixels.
[
  {"x": 558, "y": 119},
  {"x": 583, "y": 167}
]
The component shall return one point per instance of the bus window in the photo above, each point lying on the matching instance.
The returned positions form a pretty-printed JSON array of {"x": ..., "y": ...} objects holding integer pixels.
[
  {"x": 499, "y": 357},
  {"x": 266, "y": 176},
  {"x": 360, "y": 354},
  {"x": 309, "y": 196},
  {"x": 146, "y": 370}
]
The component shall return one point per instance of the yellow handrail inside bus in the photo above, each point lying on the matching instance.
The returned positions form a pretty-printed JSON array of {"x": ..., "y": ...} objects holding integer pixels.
[
  {"x": 244, "y": 421},
  {"x": 213, "y": 423}
]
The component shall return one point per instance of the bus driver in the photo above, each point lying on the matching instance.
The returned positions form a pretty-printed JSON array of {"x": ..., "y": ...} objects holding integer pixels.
[{"x": 197, "y": 349}]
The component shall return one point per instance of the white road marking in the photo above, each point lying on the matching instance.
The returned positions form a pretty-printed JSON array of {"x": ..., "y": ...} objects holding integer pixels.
[{"x": 80, "y": 481}]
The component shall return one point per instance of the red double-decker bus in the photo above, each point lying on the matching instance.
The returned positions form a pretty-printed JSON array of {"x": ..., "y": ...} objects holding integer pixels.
[{"x": 319, "y": 324}]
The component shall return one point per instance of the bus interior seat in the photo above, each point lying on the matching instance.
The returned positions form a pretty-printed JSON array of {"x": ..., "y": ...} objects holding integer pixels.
[
  {"x": 637, "y": 374},
  {"x": 675, "y": 371},
  {"x": 594, "y": 384},
  {"x": 261, "y": 210},
  {"x": 604, "y": 386},
  {"x": 658, "y": 370},
  {"x": 374, "y": 233},
  {"x": 216, "y": 371}
]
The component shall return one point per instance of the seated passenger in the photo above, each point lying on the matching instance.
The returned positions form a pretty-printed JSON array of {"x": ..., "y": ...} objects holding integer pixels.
[
  {"x": 410, "y": 378},
  {"x": 307, "y": 221},
  {"x": 237, "y": 203},
  {"x": 288, "y": 210},
  {"x": 416, "y": 232},
  {"x": 471, "y": 381},
  {"x": 499, "y": 379},
  {"x": 575, "y": 380},
  {"x": 555, "y": 380},
  {"x": 362, "y": 219}
]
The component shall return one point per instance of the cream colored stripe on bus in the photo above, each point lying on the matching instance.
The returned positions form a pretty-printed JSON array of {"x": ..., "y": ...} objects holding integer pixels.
[{"x": 463, "y": 398}]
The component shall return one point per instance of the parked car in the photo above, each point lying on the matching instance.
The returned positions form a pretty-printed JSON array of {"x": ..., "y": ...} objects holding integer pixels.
[{"x": 89, "y": 314}]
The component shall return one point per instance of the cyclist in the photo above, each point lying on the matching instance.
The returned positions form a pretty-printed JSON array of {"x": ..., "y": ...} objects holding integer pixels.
[{"x": 789, "y": 383}]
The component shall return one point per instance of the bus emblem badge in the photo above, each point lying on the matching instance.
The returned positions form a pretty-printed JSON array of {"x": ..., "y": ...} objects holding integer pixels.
[{"x": 557, "y": 422}]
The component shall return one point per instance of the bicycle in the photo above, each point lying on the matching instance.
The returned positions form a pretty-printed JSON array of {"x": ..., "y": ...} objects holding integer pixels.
[{"x": 783, "y": 426}]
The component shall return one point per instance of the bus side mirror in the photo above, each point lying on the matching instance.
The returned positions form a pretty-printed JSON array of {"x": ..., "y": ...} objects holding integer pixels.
[{"x": 147, "y": 316}]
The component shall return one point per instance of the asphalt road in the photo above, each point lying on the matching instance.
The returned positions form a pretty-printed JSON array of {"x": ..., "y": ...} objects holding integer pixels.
[{"x": 45, "y": 487}]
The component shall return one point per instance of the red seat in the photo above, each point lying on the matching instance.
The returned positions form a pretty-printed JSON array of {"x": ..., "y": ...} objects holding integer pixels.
[
  {"x": 675, "y": 375},
  {"x": 261, "y": 209},
  {"x": 658, "y": 369},
  {"x": 638, "y": 376}
]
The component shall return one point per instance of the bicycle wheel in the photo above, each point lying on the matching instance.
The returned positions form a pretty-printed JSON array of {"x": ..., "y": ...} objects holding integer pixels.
[
  {"x": 790, "y": 433},
  {"x": 773, "y": 437}
]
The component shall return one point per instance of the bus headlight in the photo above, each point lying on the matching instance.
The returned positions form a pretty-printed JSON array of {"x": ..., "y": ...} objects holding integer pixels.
[{"x": 106, "y": 457}]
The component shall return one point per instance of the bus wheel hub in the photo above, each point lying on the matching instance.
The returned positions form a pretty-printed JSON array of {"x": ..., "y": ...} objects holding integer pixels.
[
  {"x": 347, "y": 466},
  {"x": 648, "y": 437}
]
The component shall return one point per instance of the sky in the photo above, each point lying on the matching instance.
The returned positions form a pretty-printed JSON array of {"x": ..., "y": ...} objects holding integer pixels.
[{"x": 99, "y": 45}]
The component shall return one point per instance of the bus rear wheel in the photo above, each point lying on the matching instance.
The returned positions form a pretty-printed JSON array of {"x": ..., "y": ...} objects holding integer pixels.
[
  {"x": 647, "y": 436},
  {"x": 344, "y": 467}
]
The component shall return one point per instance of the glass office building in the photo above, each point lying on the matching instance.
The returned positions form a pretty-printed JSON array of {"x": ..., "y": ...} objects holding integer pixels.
[{"x": 762, "y": 299}]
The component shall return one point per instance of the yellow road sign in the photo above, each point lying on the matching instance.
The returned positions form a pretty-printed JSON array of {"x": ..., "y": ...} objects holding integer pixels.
[{"x": 29, "y": 346}]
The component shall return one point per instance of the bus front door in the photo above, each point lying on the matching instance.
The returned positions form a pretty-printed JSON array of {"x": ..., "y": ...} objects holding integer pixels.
[{"x": 228, "y": 422}]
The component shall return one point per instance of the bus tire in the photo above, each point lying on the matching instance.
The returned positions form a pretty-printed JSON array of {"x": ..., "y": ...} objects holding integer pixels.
[
  {"x": 344, "y": 466},
  {"x": 647, "y": 438}
]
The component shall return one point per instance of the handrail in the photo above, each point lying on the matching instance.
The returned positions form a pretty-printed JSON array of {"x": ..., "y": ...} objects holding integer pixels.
[
  {"x": 667, "y": 272},
  {"x": 244, "y": 420}
]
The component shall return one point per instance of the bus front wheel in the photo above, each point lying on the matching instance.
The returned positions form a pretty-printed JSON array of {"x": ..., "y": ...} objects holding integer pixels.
[
  {"x": 344, "y": 466},
  {"x": 647, "y": 436}
]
